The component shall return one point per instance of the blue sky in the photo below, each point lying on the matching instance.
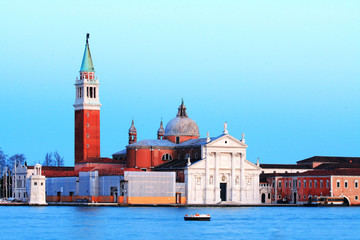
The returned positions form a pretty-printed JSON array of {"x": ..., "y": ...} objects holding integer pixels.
[{"x": 285, "y": 73}]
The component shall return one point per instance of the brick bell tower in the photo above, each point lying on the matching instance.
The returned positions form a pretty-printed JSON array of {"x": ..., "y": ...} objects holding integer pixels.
[{"x": 87, "y": 110}]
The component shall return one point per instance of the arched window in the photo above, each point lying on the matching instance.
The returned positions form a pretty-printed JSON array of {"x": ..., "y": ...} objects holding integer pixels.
[
  {"x": 166, "y": 157},
  {"x": 187, "y": 155}
]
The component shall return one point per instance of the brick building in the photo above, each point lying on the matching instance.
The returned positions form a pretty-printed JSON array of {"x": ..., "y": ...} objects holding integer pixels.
[{"x": 329, "y": 176}]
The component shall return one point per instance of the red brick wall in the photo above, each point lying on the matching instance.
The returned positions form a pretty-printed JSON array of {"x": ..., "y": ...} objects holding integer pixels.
[
  {"x": 146, "y": 158},
  {"x": 286, "y": 192},
  {"x": 87, "y": 133},
  {"x": 181, "y": 138},
  {"x": 350, "y": 191}
]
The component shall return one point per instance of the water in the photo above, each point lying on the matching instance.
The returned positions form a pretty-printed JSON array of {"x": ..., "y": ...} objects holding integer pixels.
[{"x": 54, "y": 222}]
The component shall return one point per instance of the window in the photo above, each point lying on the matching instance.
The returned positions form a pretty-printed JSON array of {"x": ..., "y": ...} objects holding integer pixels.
[
  {"x": 356, "y": 184},
  {"x": 346, "y": 183},
  {"x": 315, "y": 183},
  {"x": 87, "y": 125},
  {"x": 35, "y": 183},
  {"x": 304, "y": 196},
  {"x": 211, "y": 180},
  {"x": 299, "y": 196},
  {"x": 269, "y": 195},
  {"x": 187, "y": 155},
  {"x": 196, "y": 155},
  {"x": 94, "y": 92},
  {"x": 279, "y": 184},
  {"x": 166, "y": 157},
  {"x": 177, "y": 140},
  {"x": 304, "y": 183},
  {"x": 87, "y": 145},
  {"x": 327, "y": 184},
  {"x": 289, "y": 183},
  {"x": 295, "y": 183},
  {"x": 356, "y": 198},
  {"x": 279, "y": 196},
  {"x": 42, "y": 183},
  {"x": 273, "y": 183},
  {"x": 310, "y": 184},
  {"x": 198, "y": 180},
  {"x": 338, "y": 183},
  {"x": 321, "y": 184},
  {"x": 299, "y": 183},
  {"x": 87, "y": 135},
  {"x": 285, "y": 183}
]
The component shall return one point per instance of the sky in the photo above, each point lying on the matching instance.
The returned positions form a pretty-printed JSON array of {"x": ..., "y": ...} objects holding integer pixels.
[{"x": 285, "y": 73}]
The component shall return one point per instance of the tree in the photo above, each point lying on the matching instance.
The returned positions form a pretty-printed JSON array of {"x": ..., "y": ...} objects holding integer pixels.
[
  {"x": 48, "y": 160},
  {"x": 3, "y": 158},
  {"x": 59, "y": 161},
  {"x": 16, "y": 158},
  {"x": 53, "y": 159}
]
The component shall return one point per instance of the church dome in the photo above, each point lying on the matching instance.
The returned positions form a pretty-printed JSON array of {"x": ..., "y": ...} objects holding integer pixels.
[{"x": 182, "y": 125}]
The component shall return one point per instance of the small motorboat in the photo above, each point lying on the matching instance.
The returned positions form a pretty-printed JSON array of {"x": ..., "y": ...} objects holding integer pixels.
[{"x": 197, "y": 217}]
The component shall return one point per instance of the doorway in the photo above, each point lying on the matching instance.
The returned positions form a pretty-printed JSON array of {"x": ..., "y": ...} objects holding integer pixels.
[
  {"x": 178, "y": 198},
  {"x": 295, "y": 197},
  {"x": 58, "y": 197},
  {"x": 71, "y": 196},
  {"x": 223, "y": 191},
  {"x": 263, "y": 198}
]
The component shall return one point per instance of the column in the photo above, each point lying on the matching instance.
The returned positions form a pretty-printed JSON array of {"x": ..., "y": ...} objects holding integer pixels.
[
  {"x": 242, "y": 178},
  {"x": 216, "y": 178},
  {"x": 207, "y": 177},
  {"x": 232, "y": 177}
]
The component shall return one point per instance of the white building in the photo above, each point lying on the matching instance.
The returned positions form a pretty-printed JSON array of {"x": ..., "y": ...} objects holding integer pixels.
[
  {"x": 37, "y": 187},
  {"x": 19, "y": 177},
  {"x": 223, "y": 174}
]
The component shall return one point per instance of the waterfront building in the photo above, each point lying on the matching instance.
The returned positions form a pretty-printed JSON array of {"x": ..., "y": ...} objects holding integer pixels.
[
  {"x": 329, "y": 176},
  {"x": 19, "y": 176}
]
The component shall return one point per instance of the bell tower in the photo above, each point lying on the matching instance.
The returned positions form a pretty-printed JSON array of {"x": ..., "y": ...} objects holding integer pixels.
[{"x": 87, "y": 110}]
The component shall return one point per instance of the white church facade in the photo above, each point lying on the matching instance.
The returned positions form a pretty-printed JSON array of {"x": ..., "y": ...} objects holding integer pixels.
[{"x": 223, "y": 175}]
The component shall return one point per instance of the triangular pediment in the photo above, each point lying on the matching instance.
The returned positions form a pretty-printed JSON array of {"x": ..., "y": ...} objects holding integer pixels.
[{"x": 226, "y": 140}]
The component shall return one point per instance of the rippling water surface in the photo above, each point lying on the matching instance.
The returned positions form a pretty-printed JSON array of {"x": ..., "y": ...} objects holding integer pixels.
[{"x": 167, "y": 223}]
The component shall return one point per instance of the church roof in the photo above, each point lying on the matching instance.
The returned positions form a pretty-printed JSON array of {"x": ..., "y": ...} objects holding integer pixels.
[
  {"x": 167, "y": 143},
  {"x": 87, "y": 64},
  {"x": 174, "y": 164},
  {"x": 153, "y": 142},
  {"x": 182, "y": 125}
]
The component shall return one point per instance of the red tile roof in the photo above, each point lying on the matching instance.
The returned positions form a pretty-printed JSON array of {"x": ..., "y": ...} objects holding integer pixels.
[
  {"x": 325, "y": 159},
  {"x": 100, "y": 160},
  {"x": 102, "y": 172}
]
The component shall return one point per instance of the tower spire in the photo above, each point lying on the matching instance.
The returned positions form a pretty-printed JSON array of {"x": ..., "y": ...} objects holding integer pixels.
[
  {"x": 132, "y": 133},
  {"x": 87, "y": 64}
]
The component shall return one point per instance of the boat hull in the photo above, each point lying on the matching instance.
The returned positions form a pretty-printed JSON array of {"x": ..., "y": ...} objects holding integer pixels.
[{"x": 197, "y": 218}]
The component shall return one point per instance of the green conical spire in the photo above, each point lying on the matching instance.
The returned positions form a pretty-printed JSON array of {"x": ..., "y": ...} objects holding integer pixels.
[{"x": 87, "y": 64}]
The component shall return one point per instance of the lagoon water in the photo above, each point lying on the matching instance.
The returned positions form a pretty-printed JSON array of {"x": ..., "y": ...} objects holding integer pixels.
[{"x": 63, "y": 222}]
